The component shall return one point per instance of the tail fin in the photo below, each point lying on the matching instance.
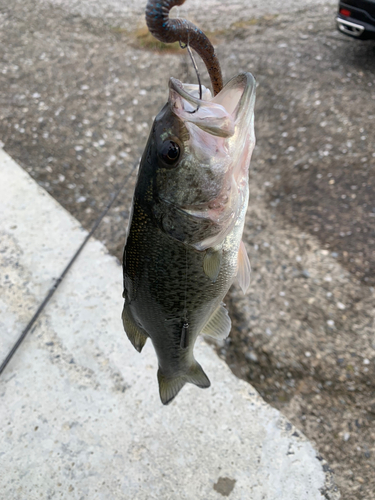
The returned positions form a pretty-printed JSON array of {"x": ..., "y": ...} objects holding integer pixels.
[{"x": 170, "y": 387}]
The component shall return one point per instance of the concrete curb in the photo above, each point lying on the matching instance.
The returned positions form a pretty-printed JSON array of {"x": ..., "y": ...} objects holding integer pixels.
[{"x": 80, "y": 412}]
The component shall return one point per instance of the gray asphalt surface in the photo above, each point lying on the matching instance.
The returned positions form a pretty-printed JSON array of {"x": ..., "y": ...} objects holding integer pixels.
[
  {"x": 77, "y": 97},
  {"x": 212, "y": 14}
]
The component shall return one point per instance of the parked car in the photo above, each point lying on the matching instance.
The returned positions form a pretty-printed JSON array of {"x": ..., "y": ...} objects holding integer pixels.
[{"x": 357, "y": 18}]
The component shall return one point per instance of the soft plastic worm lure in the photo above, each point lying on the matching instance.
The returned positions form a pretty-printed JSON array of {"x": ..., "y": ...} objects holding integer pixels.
[{"x": 180, "y": 30}]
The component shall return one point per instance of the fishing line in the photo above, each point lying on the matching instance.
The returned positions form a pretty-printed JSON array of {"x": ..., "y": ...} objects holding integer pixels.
[
  {"x": 186, "y": 273},
  {"x": 187, "y": 46},
  {"x": 185, "y": 326},
  {"x": 65, "y": 271},
  {"x": 197, "y": 72}
]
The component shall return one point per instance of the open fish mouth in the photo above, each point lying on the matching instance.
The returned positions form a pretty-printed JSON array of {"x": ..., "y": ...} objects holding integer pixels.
[
  {"x": 232, "y": 107},
  {"x": 218, "y": 149}
]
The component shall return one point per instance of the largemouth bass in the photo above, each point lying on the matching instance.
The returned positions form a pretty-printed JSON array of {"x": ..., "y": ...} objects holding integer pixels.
[{"x": 183, "y": 248}]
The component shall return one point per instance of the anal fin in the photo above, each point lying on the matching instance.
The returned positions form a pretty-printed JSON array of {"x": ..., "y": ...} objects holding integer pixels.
[
  {"x": 170, "y": 387},
  {"x": 219, "y": 324},
  {"x": 136, "y": 335}
]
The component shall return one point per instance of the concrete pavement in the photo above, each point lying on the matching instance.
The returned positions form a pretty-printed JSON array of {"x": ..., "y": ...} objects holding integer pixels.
[{"x": 80, "y": 415}]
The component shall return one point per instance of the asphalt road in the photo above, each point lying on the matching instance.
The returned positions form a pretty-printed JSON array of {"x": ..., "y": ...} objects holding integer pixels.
[
  {"x": 212, "y": 14},
  {"x": 77, "y": 97}
]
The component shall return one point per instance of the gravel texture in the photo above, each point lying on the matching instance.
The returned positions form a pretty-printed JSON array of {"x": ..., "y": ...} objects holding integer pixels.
[
  {"x": 77, "y": 97},
  {"x": 212, "y": 15}
]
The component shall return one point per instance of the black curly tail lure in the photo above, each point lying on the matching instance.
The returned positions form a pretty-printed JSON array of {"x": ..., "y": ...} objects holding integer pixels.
[{"x": 180, "y": 30}]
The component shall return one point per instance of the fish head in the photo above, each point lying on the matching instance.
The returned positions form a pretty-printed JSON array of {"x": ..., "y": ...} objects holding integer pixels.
[{"x": 200, "y": 151}]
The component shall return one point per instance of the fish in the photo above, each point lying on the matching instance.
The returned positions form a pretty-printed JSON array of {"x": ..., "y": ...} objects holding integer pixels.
[{"x": 184, "y": 245}]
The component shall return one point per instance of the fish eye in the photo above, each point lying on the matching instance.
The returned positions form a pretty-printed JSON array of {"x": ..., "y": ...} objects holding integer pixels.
[{"x": 169, "y": 153}]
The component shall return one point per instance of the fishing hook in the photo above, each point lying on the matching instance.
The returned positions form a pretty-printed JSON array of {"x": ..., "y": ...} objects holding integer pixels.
[{"x": 186, "y": 46}]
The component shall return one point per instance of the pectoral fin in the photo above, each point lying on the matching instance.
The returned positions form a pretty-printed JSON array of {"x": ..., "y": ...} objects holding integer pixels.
[
  {"x": 212, "y": 263},
  {"x": 244, "y": 269},
  {"x": 219, "y": 324},
  {"x": 136, "y": 335}
]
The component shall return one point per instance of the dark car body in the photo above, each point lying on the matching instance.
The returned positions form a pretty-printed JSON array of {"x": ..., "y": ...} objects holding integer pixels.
[{"x": 356, "y": 18}]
